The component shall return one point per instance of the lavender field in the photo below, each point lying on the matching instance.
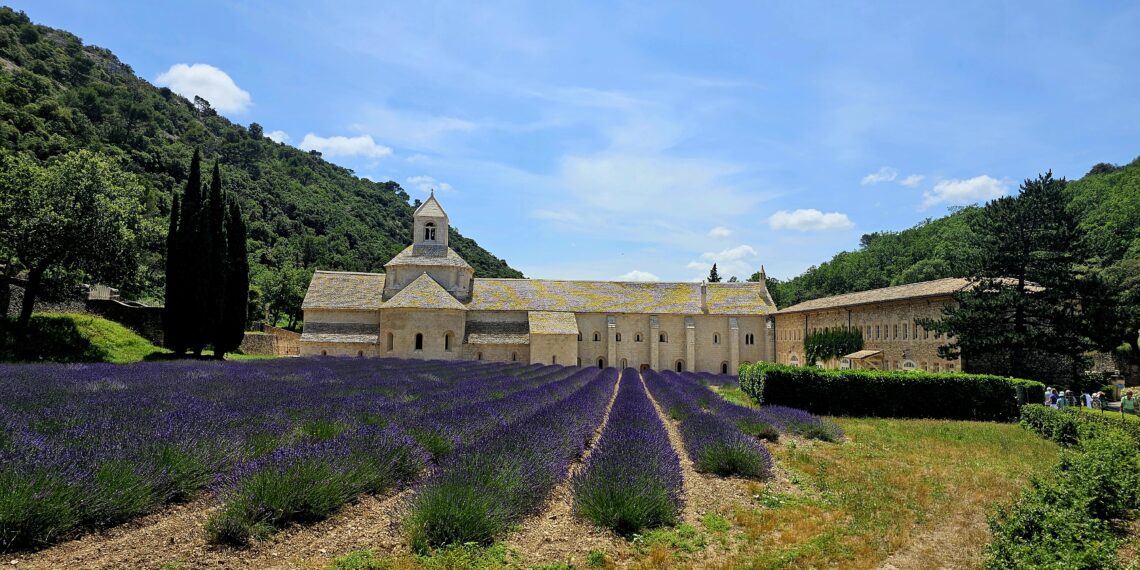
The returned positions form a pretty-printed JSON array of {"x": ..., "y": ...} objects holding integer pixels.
[{"x": 278, "y": 442}]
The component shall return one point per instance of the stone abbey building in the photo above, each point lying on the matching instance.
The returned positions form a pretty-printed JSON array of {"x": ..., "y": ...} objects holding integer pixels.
[{"x": 429, "y": 304}]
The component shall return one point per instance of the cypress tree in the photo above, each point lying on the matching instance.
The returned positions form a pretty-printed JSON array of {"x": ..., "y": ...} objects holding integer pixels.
[
  {"x": 231, "y": 329},
  {"x": 714, "y": 276},
  {"x": 214, "y": 274},
  {"x": 172, "y": 325},
  {"x": 196, "y": 242}
]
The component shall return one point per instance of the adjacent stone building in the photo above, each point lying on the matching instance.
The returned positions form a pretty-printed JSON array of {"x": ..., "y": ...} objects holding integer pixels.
[
  {"x": 430, "y": 304},
  {"x": 888, "y": 319}
]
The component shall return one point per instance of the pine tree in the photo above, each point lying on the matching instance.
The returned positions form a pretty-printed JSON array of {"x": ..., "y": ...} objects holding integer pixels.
[
  {"x": 1023, "y": 303},
  {"x": 714, "y": 277}
]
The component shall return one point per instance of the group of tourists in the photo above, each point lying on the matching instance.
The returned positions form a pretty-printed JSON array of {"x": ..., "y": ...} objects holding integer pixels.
[{"x": 1061, "y": 399}]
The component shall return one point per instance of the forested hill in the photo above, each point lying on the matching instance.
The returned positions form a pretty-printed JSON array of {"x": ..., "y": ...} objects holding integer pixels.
[
  {"x": 1106, "y": 203},
  {"x": 58, "y": 95}
]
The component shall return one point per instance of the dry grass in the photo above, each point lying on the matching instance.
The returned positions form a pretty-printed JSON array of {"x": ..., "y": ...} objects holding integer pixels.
[{"x": 892, "y": 482}]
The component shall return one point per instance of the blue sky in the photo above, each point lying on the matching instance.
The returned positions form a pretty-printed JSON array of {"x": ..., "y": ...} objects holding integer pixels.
[{"x": 606, "y": 140}]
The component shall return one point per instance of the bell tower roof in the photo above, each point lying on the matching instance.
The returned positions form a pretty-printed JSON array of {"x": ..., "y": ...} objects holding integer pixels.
[{"x": 430, "y": 208}]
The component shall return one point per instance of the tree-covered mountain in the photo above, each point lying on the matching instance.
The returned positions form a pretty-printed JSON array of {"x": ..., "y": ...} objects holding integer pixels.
[
  {"x": 1105, "y": 202},
  {"x": 58, "y": 95}
]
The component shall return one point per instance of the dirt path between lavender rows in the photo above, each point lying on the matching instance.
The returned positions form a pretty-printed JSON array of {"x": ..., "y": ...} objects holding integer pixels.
[
  {"x": 556, "y": 534},
  {"x": 174, "y": 536}
]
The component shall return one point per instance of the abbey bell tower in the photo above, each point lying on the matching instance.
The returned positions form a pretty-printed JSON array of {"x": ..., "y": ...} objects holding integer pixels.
[
  {"x": 429, "y": 255},
  {"x": 430, "y": 226}
]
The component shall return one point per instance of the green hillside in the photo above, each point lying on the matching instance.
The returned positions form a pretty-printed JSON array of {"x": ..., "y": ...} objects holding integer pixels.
[
  {"x": 1106, "y": 203},
  {"x": 58, "y": 95}
]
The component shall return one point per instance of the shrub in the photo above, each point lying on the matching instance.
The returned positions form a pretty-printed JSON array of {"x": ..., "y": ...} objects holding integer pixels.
[
  {"x": 1069, "y": 522},
  {"x": 889, "y": 394}
]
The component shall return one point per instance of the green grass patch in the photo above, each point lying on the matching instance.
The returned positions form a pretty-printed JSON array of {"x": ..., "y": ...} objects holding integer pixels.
[
  {"x": 73, "y": 337},
  {"x": 467, "y": 556},
  {"x": 735, "y": 395}
]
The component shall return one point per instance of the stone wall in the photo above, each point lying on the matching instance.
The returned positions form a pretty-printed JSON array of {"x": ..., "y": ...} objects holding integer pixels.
[{"x": 889, "y": 327}]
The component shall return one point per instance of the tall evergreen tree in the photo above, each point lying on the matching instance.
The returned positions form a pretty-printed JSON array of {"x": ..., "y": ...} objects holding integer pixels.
[
  {"x": 231, "y": 329},
  {"x": 215, "y": 273},
  {"x": 172, "y": 324},
  {"x": 1023, "y": 303},
  {"x": 714, "y": 277}
]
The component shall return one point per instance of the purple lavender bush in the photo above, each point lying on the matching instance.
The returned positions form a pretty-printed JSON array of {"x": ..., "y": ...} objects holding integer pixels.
[
  {"x": 632, "y": 479},
  {"x": 482, "y": 489}
]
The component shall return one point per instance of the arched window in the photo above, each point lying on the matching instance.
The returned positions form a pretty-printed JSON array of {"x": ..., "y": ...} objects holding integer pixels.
[
  {"x": 624, "y": 364},
  {"x": 750, "y": 339},
  {"x": 324, "y": 353},
  {"x": 514, "y": 356},
  {"x": 554, "y": 359},
  {"x": 447, "y": 342},
  {"x": 391, "y": 342},
  {"x": 663, "y": 338},
  {"x": 579, "y": 361},
  {"x": 419, "y": 341},
  {"x": 601, "y": 363},
  {"x": 597, "y": 337},
  {"x": 680, "y": 366},
  {"x": 360, "y": 353},
  {"x": 579, "y": 337},
  {"x": 716, "y": 338},
  {"x": 429, "y": 231},
  {"x": 478, "y": 356},
  {"x": 724, "y": 368},
  {"x": 617, "y": 337},
  {"x": 637, "y": 337},
  {"x": 794, "y": 360}
]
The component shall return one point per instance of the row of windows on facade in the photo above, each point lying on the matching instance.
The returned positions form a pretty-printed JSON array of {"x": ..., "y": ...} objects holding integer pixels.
[
  {"x": 909, "y": 331},
  {"x": 749, "y": 338},
  {"x": 794, "y": 360}
]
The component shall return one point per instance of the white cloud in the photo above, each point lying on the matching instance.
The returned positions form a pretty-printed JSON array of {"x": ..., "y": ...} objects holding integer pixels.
[
  {"x": 207, "y": 82},
  {"x": 885, "y": 174},
  {"x": 962, "y": 192},
  {"x": 912, "y": 180},
  {"x": 731, "y": 254},
  {"x": 278, "y": 136},
  {"x": 413, "y": 130},
  {"x": 720, "y": 232},
  {"x": 809, "y": 220},
  {"x": 362, "y": 145},
  {"x": 566, "y": 216},
  {"x": 638, "y": 275},
  {"x": 426, "y": 184}
]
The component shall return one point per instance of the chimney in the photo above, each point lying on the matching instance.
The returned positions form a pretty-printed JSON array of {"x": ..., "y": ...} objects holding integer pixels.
[{"x": 704, "y": 297}]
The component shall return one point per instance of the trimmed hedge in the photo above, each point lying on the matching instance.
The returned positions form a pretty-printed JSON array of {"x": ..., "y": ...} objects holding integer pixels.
[
  {"x": 889, "y": 394},
  {"x": 1071, "y": 425}
]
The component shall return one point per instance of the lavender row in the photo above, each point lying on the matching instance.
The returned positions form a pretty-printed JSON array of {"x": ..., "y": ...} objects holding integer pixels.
[
  {"x": 479, "y": 492},
  {"x": 714, "y": 443},
  {"x": 765, "y": 422},
  {"x": 632, "y": 479}
]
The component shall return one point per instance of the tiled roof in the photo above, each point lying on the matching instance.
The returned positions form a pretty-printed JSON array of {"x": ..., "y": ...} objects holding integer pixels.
[
  {"x": 344, "y": 290},
  {"x": 616, "y": 297},
  {"x": 430, "y": 208},
  {"x": 423, "y": 293},
  {"x": 937, "y": 288},
  {"x": 547, "y": 322},
  {"x": 478, "y": 332},
  {"x": 364, "y": 291},
  {"x": 408, "y": 257},
  {"x": 340, "y": 332}
]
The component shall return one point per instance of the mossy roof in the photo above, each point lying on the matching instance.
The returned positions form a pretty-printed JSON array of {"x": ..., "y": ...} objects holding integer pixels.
[
  {"x": 552, "y": 322},
  {"x": 345, "y": 290},
  {"x": 423, "y": 293},
  {"x": 408, "y": 257},
  {"x": 364, "y": 291}
]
